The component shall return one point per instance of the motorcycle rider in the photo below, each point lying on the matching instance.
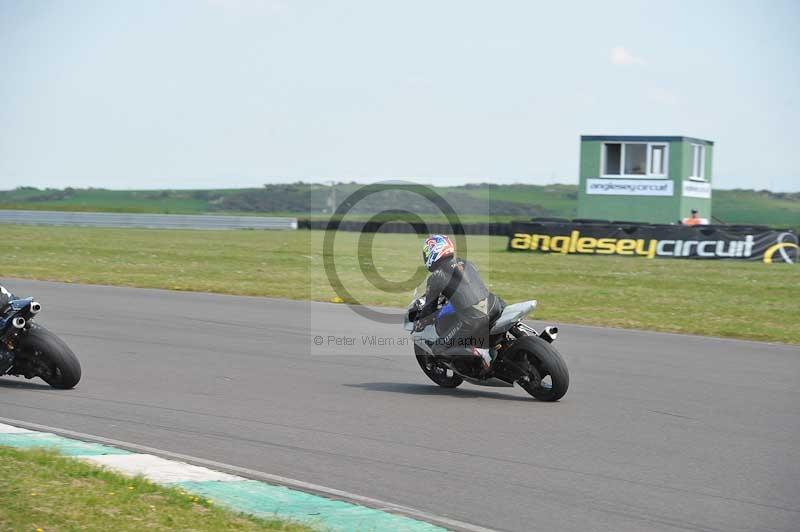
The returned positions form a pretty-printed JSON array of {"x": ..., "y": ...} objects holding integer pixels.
[{"x": 475, "y": 307}]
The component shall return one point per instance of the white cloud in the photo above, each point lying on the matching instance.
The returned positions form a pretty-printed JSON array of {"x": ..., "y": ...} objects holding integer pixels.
[{"x": 622, "y": 56}]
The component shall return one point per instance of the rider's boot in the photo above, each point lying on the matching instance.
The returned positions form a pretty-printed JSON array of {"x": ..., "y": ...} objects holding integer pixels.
[{"x": 485, "y": 356}]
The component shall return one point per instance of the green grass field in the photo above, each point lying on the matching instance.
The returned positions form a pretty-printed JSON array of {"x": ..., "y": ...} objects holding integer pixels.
[
  {"x": 42, "y": 491},
  {"x": 719, "y": 298}
]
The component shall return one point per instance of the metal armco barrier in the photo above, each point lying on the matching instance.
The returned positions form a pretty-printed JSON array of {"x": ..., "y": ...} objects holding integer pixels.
[
  {"x": 150, "y": 221},
  {"x": 401, "y": 227}
]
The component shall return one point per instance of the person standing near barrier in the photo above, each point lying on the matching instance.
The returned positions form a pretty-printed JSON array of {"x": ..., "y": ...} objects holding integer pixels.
[{"x": 693, "y": 219}]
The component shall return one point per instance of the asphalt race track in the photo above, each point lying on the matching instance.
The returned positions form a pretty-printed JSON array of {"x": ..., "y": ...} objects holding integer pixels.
[{"x": 657, "y": 432}]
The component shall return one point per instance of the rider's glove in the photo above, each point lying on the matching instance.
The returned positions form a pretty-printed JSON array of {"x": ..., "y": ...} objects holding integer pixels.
[{"x": 424, "y": 322}]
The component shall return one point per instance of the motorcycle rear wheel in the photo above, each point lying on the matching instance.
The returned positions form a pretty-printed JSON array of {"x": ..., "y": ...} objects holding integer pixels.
[
  {"x": 65, "y": 369},
  {"x": 438, "y": 374},
  {"x": 542, "y": 361}
]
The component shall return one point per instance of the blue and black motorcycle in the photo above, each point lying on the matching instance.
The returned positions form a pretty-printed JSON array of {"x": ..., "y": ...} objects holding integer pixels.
[{"x": 29, "y": 350}]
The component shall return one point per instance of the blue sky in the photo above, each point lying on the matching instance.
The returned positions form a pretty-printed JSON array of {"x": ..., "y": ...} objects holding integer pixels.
[{"x": 225, "y": 93}]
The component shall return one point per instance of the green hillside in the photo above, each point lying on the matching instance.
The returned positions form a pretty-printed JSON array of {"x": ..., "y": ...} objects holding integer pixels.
[
  {"x": 478, "y": 202},
  {"x": 750, "y": 206}
]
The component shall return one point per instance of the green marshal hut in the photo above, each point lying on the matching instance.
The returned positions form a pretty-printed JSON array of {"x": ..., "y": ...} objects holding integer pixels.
[{"x": 649, "y": 179}]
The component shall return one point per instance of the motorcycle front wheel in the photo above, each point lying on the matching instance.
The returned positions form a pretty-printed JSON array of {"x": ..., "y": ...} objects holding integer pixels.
[
  {"x": 440, "y": 375},
  {"x": 60, "y": 366},
  {"x": 547, "y": 377}
]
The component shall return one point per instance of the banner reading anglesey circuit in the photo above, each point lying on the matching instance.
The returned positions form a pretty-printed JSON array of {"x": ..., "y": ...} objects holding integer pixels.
[{"x": 650, "y": 241}]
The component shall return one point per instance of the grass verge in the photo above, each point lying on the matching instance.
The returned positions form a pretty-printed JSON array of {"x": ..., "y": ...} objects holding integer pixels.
[
  {"x": 42, "y": 490},
  {"x": 719, "y": 298}
]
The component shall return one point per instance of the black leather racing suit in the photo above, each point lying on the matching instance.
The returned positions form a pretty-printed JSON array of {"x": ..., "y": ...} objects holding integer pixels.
[{"x": 475, "y": 307}]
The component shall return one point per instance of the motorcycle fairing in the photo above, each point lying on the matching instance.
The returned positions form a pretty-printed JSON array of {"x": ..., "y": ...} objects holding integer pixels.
[
  {"x": 511, "y": 315},
  {"x": 12, "y": 308},
  {"x": 445, "y": 311},
  {"x": 426, "y": 337}
]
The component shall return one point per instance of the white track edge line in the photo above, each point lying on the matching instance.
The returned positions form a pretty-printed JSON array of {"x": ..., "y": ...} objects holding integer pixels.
[{"x": 376, "y": 504}]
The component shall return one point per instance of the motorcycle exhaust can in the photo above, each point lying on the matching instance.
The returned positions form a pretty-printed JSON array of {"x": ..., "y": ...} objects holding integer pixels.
[
  {"x": 18, "y": 322},
  {"x": 35, "y": 307},
  {"x": 549, "y": 334}
]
